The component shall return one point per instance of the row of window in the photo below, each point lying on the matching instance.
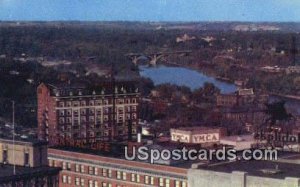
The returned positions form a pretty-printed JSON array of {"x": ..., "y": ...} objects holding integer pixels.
[
  {"x": 95, "y": 102},
  {"x": 83, "y": 119},
  {"x": 134, "y": 178},
  {"x": 92, "y": 111},
  {"x": 120, "y": 175}
]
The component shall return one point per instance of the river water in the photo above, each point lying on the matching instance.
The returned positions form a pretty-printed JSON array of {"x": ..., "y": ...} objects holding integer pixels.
[{"x": 183, "y": 77}]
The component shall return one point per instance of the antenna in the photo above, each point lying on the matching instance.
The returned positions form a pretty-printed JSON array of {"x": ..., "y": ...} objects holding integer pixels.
[{"x": 13, "y": 123}]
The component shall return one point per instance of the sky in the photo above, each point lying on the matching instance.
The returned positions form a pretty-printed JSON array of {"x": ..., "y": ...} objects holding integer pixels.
[{"x": 150, "y": 10}]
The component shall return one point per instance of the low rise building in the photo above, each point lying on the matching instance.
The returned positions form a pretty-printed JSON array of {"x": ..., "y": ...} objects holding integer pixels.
[
  {"x": 197, "y": 135},
  {"x": 240, "y": 142},
  {"x": 24, "y": 163},
  {"x": 94, "y": 170},
  {"x": 246, "y": 174}
]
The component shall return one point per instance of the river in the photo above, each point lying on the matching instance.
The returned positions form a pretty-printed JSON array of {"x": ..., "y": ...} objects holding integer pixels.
[{"x": 183, "y": 77}]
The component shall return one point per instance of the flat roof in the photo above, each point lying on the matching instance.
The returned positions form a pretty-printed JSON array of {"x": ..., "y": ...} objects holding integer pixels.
[
  {"x": 6, "y": 172},
  {"x": 20, "y": 141},
  {"x": 258, "y": 168}
]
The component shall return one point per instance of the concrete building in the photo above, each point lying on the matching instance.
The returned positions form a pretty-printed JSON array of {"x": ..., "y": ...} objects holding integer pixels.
[
  {"x": 26, "y": 153},
  {"x": 247, "y": 174},
  {"x": 68, "y": 112},
  {"x": 24, "y": 164}
]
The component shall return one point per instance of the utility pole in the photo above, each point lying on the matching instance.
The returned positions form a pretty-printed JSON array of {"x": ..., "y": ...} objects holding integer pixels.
[{"x": 13, "y": 124}]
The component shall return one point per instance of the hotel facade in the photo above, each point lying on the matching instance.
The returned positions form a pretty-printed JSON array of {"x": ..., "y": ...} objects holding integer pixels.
[{"x": 68, "y": 113}]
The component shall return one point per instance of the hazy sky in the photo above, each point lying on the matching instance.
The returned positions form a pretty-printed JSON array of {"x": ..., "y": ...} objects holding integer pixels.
[{"x": 151, "y": 10}]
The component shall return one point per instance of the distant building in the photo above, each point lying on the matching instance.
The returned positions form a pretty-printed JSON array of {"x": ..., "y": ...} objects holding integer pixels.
[
  {"x": 292, "y": 69},
  {"x": 24, "y": 163},
  {"x": 197, "y": 135},
  {"x": 227, "y": 100},
  {"x": 241, "y": 98},
  {"x": 76, "y": 113},
  {"x": 272, "y": 69},
  {"x": 240, "y": 142},
  {"x": 185, "y": 38}
]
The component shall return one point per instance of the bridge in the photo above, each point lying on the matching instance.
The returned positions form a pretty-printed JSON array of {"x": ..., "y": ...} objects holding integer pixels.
[{"x": 154, "y": 57}]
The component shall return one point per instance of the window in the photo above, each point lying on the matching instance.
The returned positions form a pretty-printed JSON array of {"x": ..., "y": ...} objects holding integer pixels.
[
  {"x": 83, "y": 119},
  {"x": 69, "y": 120},
  {"x": 83, "y": 103},
  {"x": 61, "y": 104},
  {"x": 177, "y": 183},
  {"x": 146, "y": 179},
  {"x": 26, "y": 159},
  {"x": 104, "y": 172},
  {"x": 64, "y": 179},
  {"x": 61, "y": 120},
  {"x": 4, "y": 156},
  {"x": 95, "y": 171},
  {"x": 77, "y": 181},
  {"x": 82, "y": 182},
  {"x": 90, "y": 183},
  {"x": 104, "y": 184},
  {"x": 69, "y": 103},
  {"x": 91, "y": 103},
  {"x": 183, "y": 184},
  {"x": 91, "y": 111},
  {"x": 152, "y": 180},
  {"x": 124, "y": 176},
  {"x": 91, "y": 119},
  {"x": 109, "y": 173},
  {"x": 82, "y": 112},
  {"x": 68, "y": 166},
  {"x": 82, "y": 169},
  {"x": 69, "y": 180},
  {"x": 64, "y": 166},
  {"x": 138, "y": 178},
  {"x": 96, "y": 183},
  {"x": 69, "y": 112},
  {"x": 75, "y": 112},
  {"x": 91, "y": 170},
  {"x": 51, "y": 163},
  {"x": 98, "y": 102},
  {"x": 118, "y": 174},
  {"x": 167, "y": 183},
  {"x": 133, "y": 177},
  {"x": 161, "y": 182},
  {"x": 61, "y": 112},
  {"x": 77, "y": 168}
]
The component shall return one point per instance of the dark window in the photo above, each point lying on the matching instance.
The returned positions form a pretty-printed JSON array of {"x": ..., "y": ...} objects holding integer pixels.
[
  {"x": 41, "y": 156},
  {"x": 4, "y": 156},
  {"x": 26, "y": 159}
]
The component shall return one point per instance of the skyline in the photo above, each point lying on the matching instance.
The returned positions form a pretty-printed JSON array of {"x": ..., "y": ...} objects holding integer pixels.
[{"x": 154, "y": 10}]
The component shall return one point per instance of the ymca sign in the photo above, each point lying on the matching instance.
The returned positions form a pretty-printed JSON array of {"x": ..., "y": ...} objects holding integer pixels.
[
  {"x": 195, "y": 138},
  {"x": 205, "y": 138}
]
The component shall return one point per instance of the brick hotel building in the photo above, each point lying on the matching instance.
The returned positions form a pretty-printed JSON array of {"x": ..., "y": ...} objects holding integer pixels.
[{"x": 68, "y": 112}]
